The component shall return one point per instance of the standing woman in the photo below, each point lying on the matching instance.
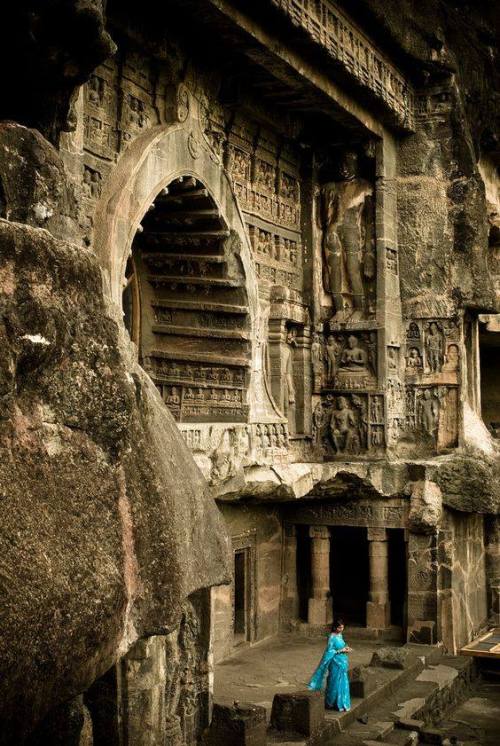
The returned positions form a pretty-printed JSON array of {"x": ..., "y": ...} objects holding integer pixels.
[{"x": 335, "y": 661}]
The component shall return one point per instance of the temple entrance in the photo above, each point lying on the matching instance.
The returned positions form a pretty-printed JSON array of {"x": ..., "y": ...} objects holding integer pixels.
[
  {"x": 349, "y": 574},
  {"x": 241, "y": 597},
  {"x": 398, "y": 581}
]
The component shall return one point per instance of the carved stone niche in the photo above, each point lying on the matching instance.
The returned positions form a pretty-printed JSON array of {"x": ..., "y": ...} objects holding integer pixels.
[
  {"x": 350, "y": 425},
  {"x": 432, "y": 416},
  {"x": 348, "y": 243},
  {"x": 433, "y": 351},
  {"x": 350, "y": 360},
  {"x": 289, "y": 372}
]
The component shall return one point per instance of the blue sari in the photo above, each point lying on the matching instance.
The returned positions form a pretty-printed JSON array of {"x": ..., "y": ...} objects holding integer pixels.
[{"x": 337, "y": 695}]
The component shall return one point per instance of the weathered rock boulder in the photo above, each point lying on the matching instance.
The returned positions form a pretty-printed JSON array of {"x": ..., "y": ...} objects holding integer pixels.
[
  {"x": 101, "y": 541},
  {"x": 470, "y": 482}
]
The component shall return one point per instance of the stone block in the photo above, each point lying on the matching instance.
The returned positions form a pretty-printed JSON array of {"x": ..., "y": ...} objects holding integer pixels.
[
  {"x": 433, "y": 735},
  {"x": 364, "y": 681},
  {"x": 422, "y": 631},
  {"x": 410, "y": 724},
  {"x": 238, "y": 725},
  {"x": 298, "y": 712},
  {"x": 398, "y": 658}
]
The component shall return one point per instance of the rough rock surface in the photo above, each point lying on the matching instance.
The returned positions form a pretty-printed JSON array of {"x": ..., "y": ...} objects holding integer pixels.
[
  {"x": 399, "y": 658},
  {"x": 100, "y": 540},
  {"x": 470, "y": 482}
]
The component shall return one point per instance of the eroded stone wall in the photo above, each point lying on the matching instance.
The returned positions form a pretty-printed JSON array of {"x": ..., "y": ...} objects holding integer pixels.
[{"x": 259, "y": 529}]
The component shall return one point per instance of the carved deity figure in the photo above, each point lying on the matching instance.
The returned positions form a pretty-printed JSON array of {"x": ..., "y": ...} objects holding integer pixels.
[
  {"x": 332, "y": 356},
  {"x": 344, "y": 428},
  {"x": 354, "y": 357},
  {"x": 428, "y": 412},
  {"x": 317, "y": 423},
  {"x": 452, "y": 356},
  {"x": 348, "y": 242},
  {"x": 434, "y": 347},
  {"x": 414, "y": 360},
  {"x": 289, "y": 387},
  {"x": 392, "y": 358},
  {"x": 317, "y": 361}
]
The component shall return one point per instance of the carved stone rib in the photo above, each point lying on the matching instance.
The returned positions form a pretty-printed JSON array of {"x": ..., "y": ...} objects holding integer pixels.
[{"x": 203, "y": 331}]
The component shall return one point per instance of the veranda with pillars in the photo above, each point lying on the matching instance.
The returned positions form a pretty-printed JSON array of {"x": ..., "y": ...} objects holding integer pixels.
[{"x": 318, "y": 551}]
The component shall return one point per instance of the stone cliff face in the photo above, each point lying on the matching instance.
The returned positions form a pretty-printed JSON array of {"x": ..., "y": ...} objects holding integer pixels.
[
  {"x": 101, "y": 541},
  {"x": 106, "y": 525}
]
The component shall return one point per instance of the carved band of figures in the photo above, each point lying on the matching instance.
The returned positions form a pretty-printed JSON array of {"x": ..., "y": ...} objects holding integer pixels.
[
  {"x": 275, "y": 247},
  {"x": 330, "y": 28}
]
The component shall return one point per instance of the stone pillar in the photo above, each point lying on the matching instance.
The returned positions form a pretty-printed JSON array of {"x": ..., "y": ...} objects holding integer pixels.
[
  {"x": 290, "y": 596},
  {"x": 320, "y": 604},
  {"x": 378, "y": 609}
]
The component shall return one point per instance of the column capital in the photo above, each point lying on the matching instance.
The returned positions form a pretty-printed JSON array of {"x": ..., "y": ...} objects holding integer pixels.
[
  {"x": 319, "y": 532},
  {"x": 377, "y": 534}
]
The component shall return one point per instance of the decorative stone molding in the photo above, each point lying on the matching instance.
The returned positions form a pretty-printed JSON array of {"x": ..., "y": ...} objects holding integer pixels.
[{"x": 347, "y": 45}]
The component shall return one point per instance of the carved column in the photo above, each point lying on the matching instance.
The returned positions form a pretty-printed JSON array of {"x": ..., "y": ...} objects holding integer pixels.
[
  {"x": 290, "y": 598},
  {"x": 303, "y": 382},
  {"x": 378, "y": 609},
  {"x": 320, "y": 604}
]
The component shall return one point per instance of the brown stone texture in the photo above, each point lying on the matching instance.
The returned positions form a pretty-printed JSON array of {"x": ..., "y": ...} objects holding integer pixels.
[
  {"x": 101, "y": 542},
  {"x": 249, "y": 277}
]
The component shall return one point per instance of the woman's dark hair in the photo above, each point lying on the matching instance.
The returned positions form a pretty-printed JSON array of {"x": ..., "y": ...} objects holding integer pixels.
[{"x": 336, "y": 624}]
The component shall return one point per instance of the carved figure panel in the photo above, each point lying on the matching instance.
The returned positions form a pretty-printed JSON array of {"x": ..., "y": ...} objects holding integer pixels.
[
  {"x": 432, "y": 414},
  {"x": 346, "y": 425},
  {"x": 351, "y": 360},
  {"x": 433, "y": 351},
  {"x": 349, "y": 242}
]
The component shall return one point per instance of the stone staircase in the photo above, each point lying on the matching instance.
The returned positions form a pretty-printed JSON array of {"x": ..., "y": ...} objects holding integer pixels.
[{"x": 398, "y": 705}]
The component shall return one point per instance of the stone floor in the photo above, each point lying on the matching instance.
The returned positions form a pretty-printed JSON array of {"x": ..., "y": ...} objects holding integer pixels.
[{"x": 285, "y": 663}]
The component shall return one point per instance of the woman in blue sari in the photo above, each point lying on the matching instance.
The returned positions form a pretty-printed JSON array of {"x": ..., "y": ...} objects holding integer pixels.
[{"x": 335, "y": 662}]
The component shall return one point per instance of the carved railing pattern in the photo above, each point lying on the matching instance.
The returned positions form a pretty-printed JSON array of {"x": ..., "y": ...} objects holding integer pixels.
[{"x": 346, "y": 44}]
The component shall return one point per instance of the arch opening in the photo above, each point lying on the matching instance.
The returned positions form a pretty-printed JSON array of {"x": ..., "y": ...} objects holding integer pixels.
[{"x": 185, "y": 305}]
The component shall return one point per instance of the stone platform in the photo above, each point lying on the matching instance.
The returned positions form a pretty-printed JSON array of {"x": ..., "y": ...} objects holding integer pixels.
[
  {"x": 399, "y": 701},
  {"x": 282, "y": 664}
]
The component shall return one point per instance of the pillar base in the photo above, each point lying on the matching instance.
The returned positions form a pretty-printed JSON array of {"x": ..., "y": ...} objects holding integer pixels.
[
  {"x": 320, "y": 611},
  {"x": 378, "y": 616}
]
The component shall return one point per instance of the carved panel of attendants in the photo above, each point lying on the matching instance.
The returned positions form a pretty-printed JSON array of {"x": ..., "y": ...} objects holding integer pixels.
[
  {"x": 433, "y": 351},
  {"x": 432, "y": 372},
  {"x": 349, "y": 425},
  {"x": 432, "y": 416},
  {"x": 349, "y": 241}
]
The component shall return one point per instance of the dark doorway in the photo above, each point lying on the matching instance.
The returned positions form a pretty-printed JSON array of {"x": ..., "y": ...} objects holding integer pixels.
[
  {"x": 489, "y": 351},
  {"x": 349, "y": 573},
  {"x": 240, "y": 596},
  {"x": 303, "y": 571},
  {"x": 102, "y": 700},
  {"x": 397, "y": 576}
]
